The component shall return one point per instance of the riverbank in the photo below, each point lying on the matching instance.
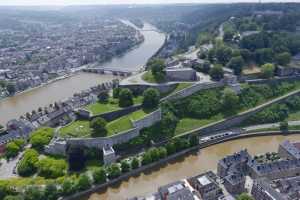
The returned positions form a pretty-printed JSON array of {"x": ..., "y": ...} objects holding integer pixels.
[{"x": 153, "y": 167}]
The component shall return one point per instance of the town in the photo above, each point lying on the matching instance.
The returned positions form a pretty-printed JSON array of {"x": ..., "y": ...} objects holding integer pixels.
[{"x": 232, "y": 78}]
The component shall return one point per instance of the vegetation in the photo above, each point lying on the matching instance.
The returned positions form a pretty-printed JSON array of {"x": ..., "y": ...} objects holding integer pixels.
[
  {"x": 244, "y": 196},
  {"x": 268, "y": 70},
  {"x": 98, "y": 126},
  {"x": 51, "y": 168},
  {"x": 28, "y": 164},
  {"x": 41, "y": 137},
  {"x": 125, "y": 98},
  {"x": 13, "y": 148},
  {"x": 157, "y": 67},
  {"x": 216, "y": 72},
  {"x": 151, "y": 98}
]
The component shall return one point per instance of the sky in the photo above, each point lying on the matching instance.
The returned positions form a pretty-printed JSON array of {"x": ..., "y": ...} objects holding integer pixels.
[{"x": 89, "y": 2}]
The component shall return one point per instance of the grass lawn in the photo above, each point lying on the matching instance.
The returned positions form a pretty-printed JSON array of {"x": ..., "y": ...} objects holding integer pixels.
[
  {"x": 112, "y": 105},
  {"x": 124, "y": 123},
  {"x": 76, "y": 129},
  {"x": 181, "y": 86},
  {"x": 294, "y": 116},
  {"x": 188, "y": 124}
]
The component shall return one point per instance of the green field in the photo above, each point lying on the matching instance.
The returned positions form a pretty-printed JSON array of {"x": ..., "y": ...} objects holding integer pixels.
[
  {"x": 81, "y": 128},
  {"x": 188, "y": 124},
  {"x": 295, "y": 116},
  {"x": 76, "y": 129},
  {"x": 112, "y": 105}
]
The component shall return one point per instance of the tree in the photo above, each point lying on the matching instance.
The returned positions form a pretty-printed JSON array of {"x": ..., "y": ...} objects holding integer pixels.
[
  {"x": 98, "y": 125},
  {"x": 52, "y": 168},
  {"x": 268, "y": 70},
  {"x": 5, "y": 190},
  {"x": 103, "y": 96},
  {"x": 116, "y": 92},
  {"x": 223, "y": 54},
  {"x": 33, "y": 193},
  {"x": 12, "y": 150},
  {"x": 146, "y": 158},
  {"x": 83, "y": 182},
  {"x": 99, "y": 176},
  {"x": 51, "y": 192},
  {"x": 283, "y": 58},
  {"x": 114, "y": 171},
  {"x": 171, "y": 148},
  {"x": 284, "y": 126},
  {"x": 135, "y": 163},
  {"x": 157, "y": 67},
  {"x": 216, "y": 72},
  {"x": 68, "y": 187},
  {"x": 244, "y": 196},
  {"x": 125, "y": 166},
  {"x": 41, "y": 137},
  {"x": 264, "y": 55},
  {"x": 28, "y": 164},
  {"x": 154, "y": 154},
  {"x": 162, "y": 152},
  {"x": 151, "y": 98},
  {"x": 11, "y": 88},
  {"x": 125, "y": 98},
  {"x": 230, "y": 100},
  {"x": 228, "y": 35},
  {"x": 236, "y": 63}
]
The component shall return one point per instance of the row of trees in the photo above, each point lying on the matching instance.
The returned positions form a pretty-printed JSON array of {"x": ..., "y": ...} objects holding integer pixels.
[{"x": 73, "y": 184}]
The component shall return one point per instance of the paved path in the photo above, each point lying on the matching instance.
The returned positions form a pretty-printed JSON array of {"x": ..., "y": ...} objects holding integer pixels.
[{"x": 7, "y": 168}]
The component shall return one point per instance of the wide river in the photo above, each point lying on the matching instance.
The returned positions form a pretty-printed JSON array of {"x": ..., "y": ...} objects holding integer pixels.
[
  {"x": 14, "y": 107},
  {"x": 205, "y": 159}
]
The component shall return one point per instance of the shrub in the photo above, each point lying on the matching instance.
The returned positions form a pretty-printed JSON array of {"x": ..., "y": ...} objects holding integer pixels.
[
  {"x": 216, "y": 72},
  {"x": 98, "y": 125},
  {"x": 51, "y": 168},
  {"x": 125, "y": 98},
  {"x": 268, "y": 70},
  {"x": 28, "y": 164},
  {"x": 135, "y": 163},
  {"x": 114, "y": 171},
  {"x": 99, "y": 176},
  {"x": 12, "y": 150},
  {"x": 41, "y": 137},
  {"x": 151, "y": 98},
  {"x": 83, "y": 182},
  {"x": 125, "y": 166}
]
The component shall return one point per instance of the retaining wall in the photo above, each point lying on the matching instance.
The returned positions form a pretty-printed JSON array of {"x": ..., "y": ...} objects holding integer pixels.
[
  {"x": 193, "y": 89},
  {"x": 122, "y": 137}
]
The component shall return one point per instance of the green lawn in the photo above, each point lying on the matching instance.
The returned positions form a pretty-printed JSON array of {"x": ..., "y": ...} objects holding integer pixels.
[
  {"x": 148, "y": 77},
  {"x": 294, "y": 116},
  {"x": 181, "y": 86},
  {"x": 76, "y": 129},
  {"x": 124, "y": 123},
  {"x": 112, "y": 105},
  {"x": 81, "y": 128},
  {"x": 188, "y": 124}
]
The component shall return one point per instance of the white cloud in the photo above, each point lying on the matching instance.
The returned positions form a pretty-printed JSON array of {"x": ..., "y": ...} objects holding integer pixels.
[{"x": 79, "y": 2}]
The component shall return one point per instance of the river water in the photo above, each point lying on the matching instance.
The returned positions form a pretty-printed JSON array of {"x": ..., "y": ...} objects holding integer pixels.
[
  {"x": 14, "y": 107},
  {"x": 192, "y": 165}
]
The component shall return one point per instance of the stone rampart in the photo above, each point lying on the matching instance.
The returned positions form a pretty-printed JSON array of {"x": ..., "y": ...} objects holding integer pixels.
[
  {"x": 122, "y": 137},
  {"x": 192, "y": 89}
]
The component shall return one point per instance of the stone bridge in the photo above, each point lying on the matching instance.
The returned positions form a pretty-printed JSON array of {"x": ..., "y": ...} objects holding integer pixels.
[{"x": 117, "y": 71}]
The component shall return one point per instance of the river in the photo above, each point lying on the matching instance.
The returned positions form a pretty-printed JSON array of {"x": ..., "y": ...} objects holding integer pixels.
[
  {"x": 14, "y": 107},
  {"x": 205, "y": 159}
]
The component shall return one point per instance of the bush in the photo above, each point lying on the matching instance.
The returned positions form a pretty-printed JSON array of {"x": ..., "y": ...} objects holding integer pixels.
[
  {"x": 135, "y": 163},
  {"x": 68, "y": 187},
  {"x": 283, "y": 58},
  {"x": 41, "y": 137},
  {"x": 98, "y": 125},
  {"x": 216, "y": 72},
  {"x": 171, "y": 148},
  {"x": 151, "y": 98},
  {"x": 83, "y": 182},
  {"x": 99, "y": 176},
  {"x": 51, "y": 192},
  {"x": 33, "y": 193},
  {"x": 52, "y": 168},
  {"x": 268, "y": 70},
  {"x": 114, "y": 171},
  {"x": 10, "y": 197},
  {"x": 28, "y": 164},
  {"x": 125, "y": 166},
  {"x": 146, "y": 158},
  {"x": 157, "y": 67},
  {"x": 125, "y": 98},
  {"x": 230, "y": 100},
  {"x": 12, "y": 150},
  {"x": 162, "y": 152},
  {"x": 116, "y": 92},
  {"x": 236, "y": 63}
]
